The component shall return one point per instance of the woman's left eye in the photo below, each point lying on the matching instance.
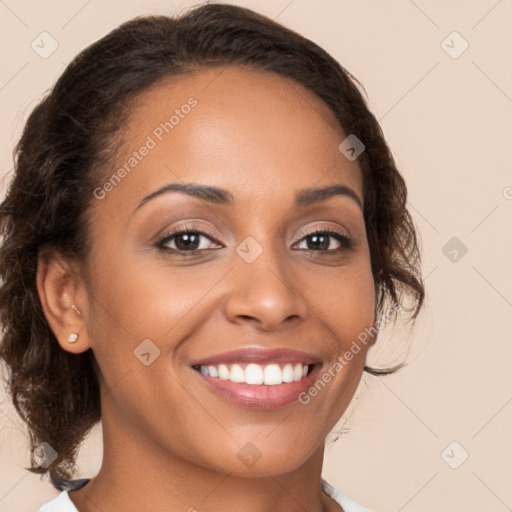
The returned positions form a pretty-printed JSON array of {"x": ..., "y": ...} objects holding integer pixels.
[{"x": 320, "y": 241}]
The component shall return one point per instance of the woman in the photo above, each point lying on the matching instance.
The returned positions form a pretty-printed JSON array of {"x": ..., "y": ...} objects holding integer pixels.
[{"x": 204, "y": 227}]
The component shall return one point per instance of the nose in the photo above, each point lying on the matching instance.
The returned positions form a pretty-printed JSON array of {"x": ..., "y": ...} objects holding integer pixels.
[{"x": 264, "y": 293}]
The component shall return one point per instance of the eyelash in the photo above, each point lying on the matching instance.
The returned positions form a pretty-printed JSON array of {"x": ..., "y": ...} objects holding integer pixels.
[{"x": 346, "y": 243}]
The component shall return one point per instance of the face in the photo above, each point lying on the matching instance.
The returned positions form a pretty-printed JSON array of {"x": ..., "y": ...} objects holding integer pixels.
[{"x": 269, "y": 283}]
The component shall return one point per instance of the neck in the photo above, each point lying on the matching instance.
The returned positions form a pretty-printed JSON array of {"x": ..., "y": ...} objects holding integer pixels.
[{"x": 138, "y": 474}]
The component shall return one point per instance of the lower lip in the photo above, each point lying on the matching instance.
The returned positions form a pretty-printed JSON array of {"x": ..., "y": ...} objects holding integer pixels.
[{"x": 261, "y": 396}]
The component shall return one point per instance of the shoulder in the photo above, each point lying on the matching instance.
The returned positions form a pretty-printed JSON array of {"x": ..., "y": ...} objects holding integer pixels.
[
  {"x": 348, "y": 504},
  {"x": 62, "y": 503}
]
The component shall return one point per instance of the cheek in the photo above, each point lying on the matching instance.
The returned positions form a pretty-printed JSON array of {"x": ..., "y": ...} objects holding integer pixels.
[
  {"x": 133, "y": 301},
  {"x": 344, "y": 303},
  {"x": 343, "y": 299}
]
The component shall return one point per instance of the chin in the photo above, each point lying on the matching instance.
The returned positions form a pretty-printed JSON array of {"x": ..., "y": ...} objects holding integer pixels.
[{"x": 258, "y": 459}]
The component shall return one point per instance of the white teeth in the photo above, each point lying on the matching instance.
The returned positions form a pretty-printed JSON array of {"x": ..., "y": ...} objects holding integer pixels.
[
  {"x": 255, "y": 374},
  {"x": 272, "y": 375},
  {"x": 288, "y": 373},
  {"x": 237, "y": 374},
  {"x": 223, "y": 372},
  {"x": 297, "y": 372}
]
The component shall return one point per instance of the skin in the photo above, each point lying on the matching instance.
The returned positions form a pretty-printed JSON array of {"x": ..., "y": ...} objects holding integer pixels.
[{"x": 170, "y": 443}]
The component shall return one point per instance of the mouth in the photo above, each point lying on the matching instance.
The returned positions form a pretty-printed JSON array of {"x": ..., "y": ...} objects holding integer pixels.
[
  {"x": 263, "y": 379},
  {"x": 253, "y": 374}
]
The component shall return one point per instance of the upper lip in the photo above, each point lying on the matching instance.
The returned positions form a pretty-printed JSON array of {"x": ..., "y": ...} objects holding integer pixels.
[{"x": 259, "y": 355}]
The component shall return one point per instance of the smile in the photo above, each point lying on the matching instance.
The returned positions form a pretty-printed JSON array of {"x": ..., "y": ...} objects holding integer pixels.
[{"x": 258, "y": 378}]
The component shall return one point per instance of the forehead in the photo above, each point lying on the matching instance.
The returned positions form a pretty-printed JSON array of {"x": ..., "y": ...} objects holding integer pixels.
[{"x": 256, "y": 133}]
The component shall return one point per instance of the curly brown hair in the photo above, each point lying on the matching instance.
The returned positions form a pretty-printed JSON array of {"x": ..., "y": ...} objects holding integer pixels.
[{"x": 66, "y": 145}]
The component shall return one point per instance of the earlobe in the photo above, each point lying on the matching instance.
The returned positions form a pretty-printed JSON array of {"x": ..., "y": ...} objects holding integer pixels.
[{"x": 59, "y": 290}]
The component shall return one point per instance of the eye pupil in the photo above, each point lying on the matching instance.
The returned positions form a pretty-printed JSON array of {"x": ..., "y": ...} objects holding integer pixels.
[
  {"x": 319, "y": 242},
  {"x": 184, "y": 241}
]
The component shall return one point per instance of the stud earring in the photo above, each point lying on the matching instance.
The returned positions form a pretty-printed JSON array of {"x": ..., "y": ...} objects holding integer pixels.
[{"x": 72, "y": 337}]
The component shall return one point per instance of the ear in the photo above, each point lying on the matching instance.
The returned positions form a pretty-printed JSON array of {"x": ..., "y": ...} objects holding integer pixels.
[{"x": 61, "y": 290}]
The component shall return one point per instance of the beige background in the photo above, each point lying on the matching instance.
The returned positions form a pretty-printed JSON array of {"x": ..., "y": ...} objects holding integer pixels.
[{"x": 448, "y": 121}]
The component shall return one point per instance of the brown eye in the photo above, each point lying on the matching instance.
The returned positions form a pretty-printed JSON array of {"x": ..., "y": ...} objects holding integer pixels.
[
  {"x": 186, "y": 240},
  {"x": 319, "y": 241}
]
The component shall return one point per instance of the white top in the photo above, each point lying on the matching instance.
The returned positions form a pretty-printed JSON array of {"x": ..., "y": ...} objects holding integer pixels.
[{"x": 62, "y": 503}]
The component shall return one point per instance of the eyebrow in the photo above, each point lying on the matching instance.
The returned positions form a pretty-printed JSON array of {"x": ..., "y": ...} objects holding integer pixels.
[{"x": 304, "y": 197}]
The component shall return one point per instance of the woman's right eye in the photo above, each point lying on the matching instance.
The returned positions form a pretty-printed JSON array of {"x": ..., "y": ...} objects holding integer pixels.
[{"x": 184, "y": 241}]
